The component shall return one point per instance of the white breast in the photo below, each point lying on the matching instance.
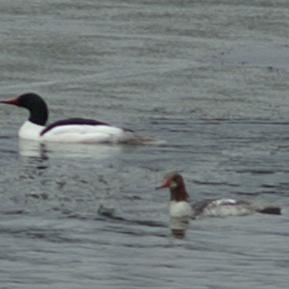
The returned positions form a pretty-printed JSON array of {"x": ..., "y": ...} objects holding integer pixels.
[
  {"x": 180, "y": 209},
  {"x": 30, "y": 131}
]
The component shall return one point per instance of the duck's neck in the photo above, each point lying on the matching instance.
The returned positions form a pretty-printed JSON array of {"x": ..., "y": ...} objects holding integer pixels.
[
  {"x": 39, "y": 114},
  {"x": 179, "y": 193}
]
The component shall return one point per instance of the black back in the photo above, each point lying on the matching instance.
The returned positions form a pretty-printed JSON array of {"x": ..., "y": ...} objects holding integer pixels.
[{"x": 72, "y": 121}]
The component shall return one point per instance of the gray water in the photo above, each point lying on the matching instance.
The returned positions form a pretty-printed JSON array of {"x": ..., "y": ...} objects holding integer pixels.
[{"x": 209, "y": 78}]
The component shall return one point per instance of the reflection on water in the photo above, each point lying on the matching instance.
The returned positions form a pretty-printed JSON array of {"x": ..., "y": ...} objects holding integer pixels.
[
  {"x": 29, "y": 148},
  {"x": 179, "y": 227},
  {"x": 32, "y": 149}
]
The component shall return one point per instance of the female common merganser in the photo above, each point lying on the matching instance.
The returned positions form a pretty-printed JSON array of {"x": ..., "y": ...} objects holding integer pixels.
[
  {"x": 73, "y": 130},
  {"x": 180, "y": 206}
]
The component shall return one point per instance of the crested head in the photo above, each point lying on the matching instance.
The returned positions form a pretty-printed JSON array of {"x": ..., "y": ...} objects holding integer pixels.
[
  {"x": 175, "y": 182},
  {"x": 34, "y": 103},
  {"x": 172, "y": 180}
]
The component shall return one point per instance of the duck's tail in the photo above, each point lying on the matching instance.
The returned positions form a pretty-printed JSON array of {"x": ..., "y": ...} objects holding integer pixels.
[
  {"x": 271, "y": 210},
  {"x": 134, "y": 139}
]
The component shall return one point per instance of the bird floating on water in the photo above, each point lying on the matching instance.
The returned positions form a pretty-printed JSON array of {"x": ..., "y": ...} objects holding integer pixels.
[
  {"x": 72, "y": 130},
  {"x": 180, "y": 205}
]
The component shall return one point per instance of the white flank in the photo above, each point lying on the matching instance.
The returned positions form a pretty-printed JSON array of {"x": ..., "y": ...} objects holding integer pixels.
[{"x": 75, "y": 133}]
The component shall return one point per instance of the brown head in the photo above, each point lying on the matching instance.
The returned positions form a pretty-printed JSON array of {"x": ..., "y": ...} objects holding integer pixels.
[{"x": 175, "y": 182}]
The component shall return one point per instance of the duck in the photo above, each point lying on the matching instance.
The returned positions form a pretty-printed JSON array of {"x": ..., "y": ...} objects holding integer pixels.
[
  {"x": 71, "y": 130},
  {"x": 181, "y": 207}
]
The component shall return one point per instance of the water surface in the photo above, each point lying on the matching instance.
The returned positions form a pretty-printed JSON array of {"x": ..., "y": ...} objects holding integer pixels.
[{"x": 210, "y": 78}]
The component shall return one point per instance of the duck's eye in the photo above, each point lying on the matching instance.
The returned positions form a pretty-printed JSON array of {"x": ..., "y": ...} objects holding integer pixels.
[{"x": 173, "y": 184}]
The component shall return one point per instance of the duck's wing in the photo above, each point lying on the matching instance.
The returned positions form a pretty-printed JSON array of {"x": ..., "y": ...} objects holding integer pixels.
[{"x": 198, "y": 207}]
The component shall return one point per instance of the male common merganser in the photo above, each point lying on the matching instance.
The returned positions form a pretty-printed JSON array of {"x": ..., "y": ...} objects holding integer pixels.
[
  {"x": 73, "y": 130},
  {"x": 181, "y": 207}
]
